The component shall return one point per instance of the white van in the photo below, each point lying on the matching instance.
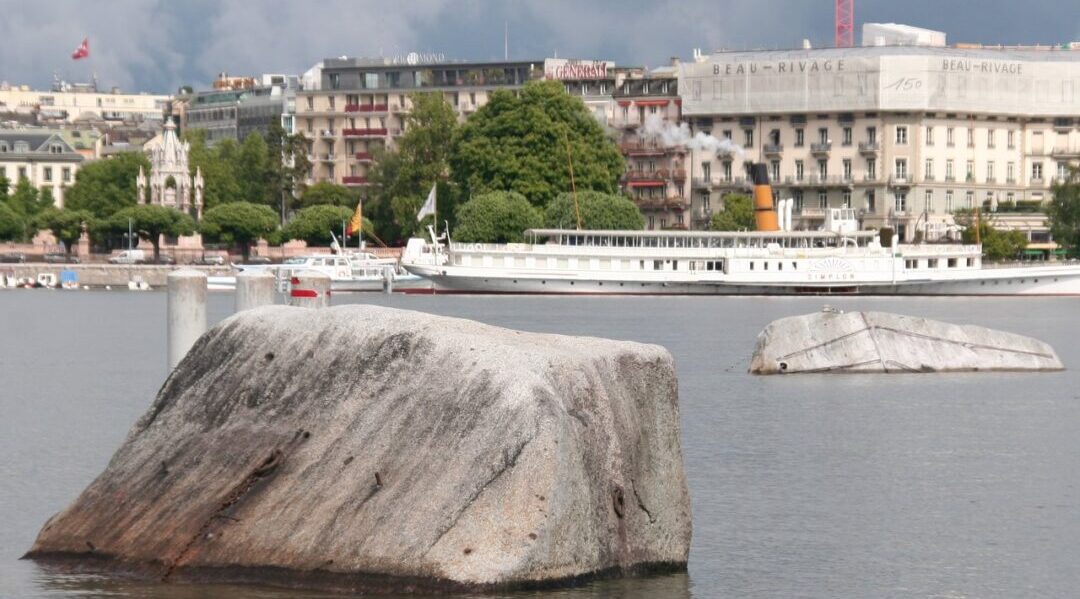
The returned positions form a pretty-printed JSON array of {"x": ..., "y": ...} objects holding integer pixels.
[{"x": 129, "y": 257}]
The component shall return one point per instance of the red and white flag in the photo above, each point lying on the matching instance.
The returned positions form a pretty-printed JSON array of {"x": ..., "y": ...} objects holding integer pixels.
[{"x": 82, "y": 51}]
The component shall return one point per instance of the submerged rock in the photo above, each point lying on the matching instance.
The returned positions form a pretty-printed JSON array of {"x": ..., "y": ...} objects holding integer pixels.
[
  {"x": 831, "y": 341},
  {"x": 365, "y": 448}
]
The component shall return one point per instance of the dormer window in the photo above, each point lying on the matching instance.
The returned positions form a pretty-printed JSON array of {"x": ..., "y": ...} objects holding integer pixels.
[
  {"x": 56, "y": 149},
  {"x": 3, "y": 146},
  {"x": 22, "y": 146}
]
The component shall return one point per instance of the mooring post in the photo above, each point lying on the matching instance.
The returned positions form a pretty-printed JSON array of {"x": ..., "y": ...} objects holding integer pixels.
[
  {"x": 254, "y": 289},
  {"x": 309, "y": 289},
  {"x": 186, "y": 312},
  {"x": 388, "y": 280}
]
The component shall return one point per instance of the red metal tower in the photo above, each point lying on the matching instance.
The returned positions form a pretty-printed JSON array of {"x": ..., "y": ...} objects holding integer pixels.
[{"x": 845, "y": 23}]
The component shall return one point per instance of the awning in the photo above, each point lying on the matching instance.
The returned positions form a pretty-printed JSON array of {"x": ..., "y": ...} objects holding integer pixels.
[
  {"x": 656, "y": 183},
  {"x": 653, "y": 102},
  {"x": 625, "y": 103}
]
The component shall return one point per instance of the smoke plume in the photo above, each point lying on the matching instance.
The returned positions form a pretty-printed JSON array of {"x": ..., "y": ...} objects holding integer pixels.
[{"x": 671, "y": 135}]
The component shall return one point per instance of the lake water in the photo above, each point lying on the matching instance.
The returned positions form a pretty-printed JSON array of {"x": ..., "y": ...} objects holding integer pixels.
[{"x": 962, "y": 485}]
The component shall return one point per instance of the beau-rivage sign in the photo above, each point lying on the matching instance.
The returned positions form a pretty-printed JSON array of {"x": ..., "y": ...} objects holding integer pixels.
[{"x": 830, "y": 65}]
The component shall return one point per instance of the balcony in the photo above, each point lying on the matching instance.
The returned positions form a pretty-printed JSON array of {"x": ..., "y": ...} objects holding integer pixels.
[
  {"x": 632, "y": 148},
  {"x": 821, "y": 149},
  {"x": 363, "y": 156},
  {"x": 354, "y": 180},
  {"x": 900, "y": 180},
  {"x": 327, "y": 134},
  {"x": 950, "y": 178},
  {"x": 871, "y": 148},
  {"x": 1065, "y": 152},
  {"x": 703, "y": 214},
  {"x": 678, "y": 174},
  {"x": 366, "y": 107},
  {"x": 819, "y": 181},
  {"x": 677, "y": 204},
  {"x": 327, "y": 158},
  {"x": 929, "y": 178},
  {"x": 364, "y": 132},
  {"x": 701, "y": 183},
  {"x": 870, "y": 178},
  {"x": 773, "y": 149}
]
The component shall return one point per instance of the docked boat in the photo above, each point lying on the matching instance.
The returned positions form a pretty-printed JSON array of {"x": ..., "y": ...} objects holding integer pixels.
[
  {"x": 839, "y": 259},
  {"x": 350, "y": 271}
]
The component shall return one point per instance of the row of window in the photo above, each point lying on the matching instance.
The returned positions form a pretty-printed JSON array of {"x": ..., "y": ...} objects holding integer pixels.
[
  {"x": 900, "y": 201},
  {"x": 900, "y": 170},
  {"x": 24, "y": 147},
  {"x": 915, "y": 263},
  {"x": 46, "y": 174}
]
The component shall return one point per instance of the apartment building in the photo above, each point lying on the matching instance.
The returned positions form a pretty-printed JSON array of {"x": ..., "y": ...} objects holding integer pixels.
[
  {"x": 647, "y": 113},
  {"x": 41, "y": 157},
  {"x": 66, "y": 103},
  {"x": 906, "y": 135},
  {"x": 234, "y": 112}
]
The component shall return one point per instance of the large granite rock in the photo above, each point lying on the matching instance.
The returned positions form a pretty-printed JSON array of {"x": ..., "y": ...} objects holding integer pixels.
[
  {"x": 365, "y": 448},
  {"x": 832, "y": 341}
]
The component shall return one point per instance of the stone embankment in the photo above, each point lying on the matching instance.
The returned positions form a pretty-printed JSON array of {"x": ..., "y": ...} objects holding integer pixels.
[
  {"x": 111, "y": 275},
  {"x": 832, "y": 341},
  {"x": 361, "y": 448}
]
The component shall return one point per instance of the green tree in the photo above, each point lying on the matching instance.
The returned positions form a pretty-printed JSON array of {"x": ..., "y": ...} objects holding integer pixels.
[
  {"x": 253, "y": 171},
  {"x": 12, "y": 226},
  {"x": 27, "y": 201},
  {"x": 219, "y": 166},
  {"x": 314, "y": 224},
  {"x": 496, "y": 217},
  {"x": 1064, "y": 211},
  {"x": 239, "y": 223},
  {"x": 326, "y": 193},
  {"x": 737, "y": 215},
  {"x": 521, "y": 142},
  {"x": 599, "y": 211},
  {"x": 4, "y": 185},
  {"x": 65, "y": 225},
  {"x": 288, "y": 165},
  {"x": 400, "y": 181},
  {"x": 104, "y": 187},
  {"x": 996, "y": 244},
  {"x": 150, "y": 222}
]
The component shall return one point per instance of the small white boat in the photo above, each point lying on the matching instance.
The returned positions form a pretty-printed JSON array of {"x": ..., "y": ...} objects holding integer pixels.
[{"x": 352, "y": 271}]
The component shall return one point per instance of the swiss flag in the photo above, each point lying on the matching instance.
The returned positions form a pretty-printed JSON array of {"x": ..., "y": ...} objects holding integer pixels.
[{"x": 82, "y": 51}]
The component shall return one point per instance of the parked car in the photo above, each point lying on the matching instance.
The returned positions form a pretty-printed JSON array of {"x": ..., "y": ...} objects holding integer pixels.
[
  {"x": 214, "y": 260},
  {"x": 129, "y": 257},
  {"x": 60, "y": 258},
  {"x": 163, "y": 259},
  {"x": 258, "y": 260},
  {"x": 13, "y": 257}
]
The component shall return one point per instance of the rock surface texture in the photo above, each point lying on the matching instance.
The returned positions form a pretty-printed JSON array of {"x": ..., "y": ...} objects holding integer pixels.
[
  {"x": 363, "y": 448},
  {"x": 832, "y": 341}
]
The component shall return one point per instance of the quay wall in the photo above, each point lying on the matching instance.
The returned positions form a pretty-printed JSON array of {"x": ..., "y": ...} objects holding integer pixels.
[{"x": 101, "y": 275}]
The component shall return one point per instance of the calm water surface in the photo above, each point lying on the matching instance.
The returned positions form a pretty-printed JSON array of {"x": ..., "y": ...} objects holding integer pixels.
[{"x": 808, "y": 486}]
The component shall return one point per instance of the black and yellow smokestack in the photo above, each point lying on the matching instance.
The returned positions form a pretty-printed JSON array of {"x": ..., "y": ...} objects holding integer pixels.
[{"x": 764, "y": 213}]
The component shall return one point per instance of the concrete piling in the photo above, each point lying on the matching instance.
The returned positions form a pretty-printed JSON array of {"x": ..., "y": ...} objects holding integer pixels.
[
  {"x": 254, "y": 289},
  {"x": 388, "y": 280},
  {"x": 309, "y": 289},
  {"x": 186, "y": 312}
]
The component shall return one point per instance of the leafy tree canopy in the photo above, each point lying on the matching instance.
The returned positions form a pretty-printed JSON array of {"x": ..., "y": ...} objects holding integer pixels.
[
  {"x": 328, "y": 193},
  {"x": 996, "y": 244},
  {"x": 150, "y": 222},
  {"x": 599, "y": 211},
  {"x": 238, "y": 223},
  {"x": 104, "y": 187},
  {"x": 66, "y": 225},
  {"x": 27, "y": 201},
  {"x": 496, "y": 217},
  {"x": 737, "y": 215},
  {"x": 4, "y": 186},
  {"x": 1064, "y": 211},
  {"x": 221, "y": 179},
  {"x": 402, "y": 179},
  {"x": 11, "y": 224},
  {"x": 314, "y": 224},
  {"x": 519, "y": 143}
]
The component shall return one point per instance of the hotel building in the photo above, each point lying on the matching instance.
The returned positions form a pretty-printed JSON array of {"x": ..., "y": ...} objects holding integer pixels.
[
  {"x": 41, "y": 157},
  {"x": 906, "y": 135},
  {"x": 66, "y": 103}
]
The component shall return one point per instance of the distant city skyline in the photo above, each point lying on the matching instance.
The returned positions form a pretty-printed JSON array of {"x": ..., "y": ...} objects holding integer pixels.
[{"x": 156, "y": 46}]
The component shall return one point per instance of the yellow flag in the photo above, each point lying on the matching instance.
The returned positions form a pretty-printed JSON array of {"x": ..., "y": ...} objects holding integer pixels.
[{"x": 357, "y": 221}]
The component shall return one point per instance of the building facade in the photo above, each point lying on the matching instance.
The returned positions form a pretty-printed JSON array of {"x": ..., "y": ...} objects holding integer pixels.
[
  {"x": 906, "y": 135},
  {"x": 66, "y": 103},
  {"x": 647, "y": 113},
  {"x": 41, "y": 157},
  {"x": 234, "y": 112},
  {"x": 360, "y": 104}
]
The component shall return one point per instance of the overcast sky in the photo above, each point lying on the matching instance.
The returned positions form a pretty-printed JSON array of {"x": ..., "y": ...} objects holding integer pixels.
[{"x": 152, "y": 45}]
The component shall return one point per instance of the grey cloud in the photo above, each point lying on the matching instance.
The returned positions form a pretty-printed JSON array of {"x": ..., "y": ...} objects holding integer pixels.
[{"x": 157, "y": 45}]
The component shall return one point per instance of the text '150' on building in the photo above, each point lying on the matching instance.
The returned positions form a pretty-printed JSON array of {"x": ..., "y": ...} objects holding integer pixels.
[{"x": 904, "y": 135}]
